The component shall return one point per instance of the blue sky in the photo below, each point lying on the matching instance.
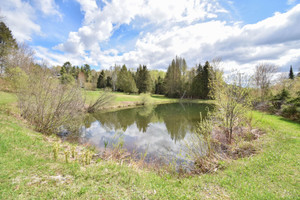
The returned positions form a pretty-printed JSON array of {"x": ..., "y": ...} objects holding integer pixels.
[{"x": 242, "y": 33}]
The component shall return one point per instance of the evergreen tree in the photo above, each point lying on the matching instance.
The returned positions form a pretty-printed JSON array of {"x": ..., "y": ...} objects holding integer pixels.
[
  {"x": 143, "y": 80},
  {"x": 63, "y": 70},
  {"x": 200, "y": 84},
  {"x": 160, "y": 86},
  {"x": 125, "y": 81},
  {"x": 197, "y": 85},
  {"x": 101, "y": 83},
  {"x": 291, "y": 74},
  {"x": 87, "y": 71},
  {"x": 173, "y": 78},
  {"x": 206, "y": 76},
  {"x": 68, "y": 66},
  {"x": 7, "y": 44},
  {"x": 109, "y": 82}
]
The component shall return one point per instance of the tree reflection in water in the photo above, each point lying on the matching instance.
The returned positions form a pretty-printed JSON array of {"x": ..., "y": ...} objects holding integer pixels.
[{"x": 158, "y": 129}]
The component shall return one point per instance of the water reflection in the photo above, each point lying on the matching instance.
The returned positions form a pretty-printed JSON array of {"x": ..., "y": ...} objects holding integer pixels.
[{"x": 159, "y": 129}]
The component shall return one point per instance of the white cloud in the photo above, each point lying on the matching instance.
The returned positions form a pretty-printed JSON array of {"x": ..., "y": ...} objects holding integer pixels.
[
  {"x": 48, "y": 7},
  {"x": 20, "y": 17},
  {"x": 185, "y": 28},
  {"x": 275, "y": 40},
  {"x": 100, "y": 24}
]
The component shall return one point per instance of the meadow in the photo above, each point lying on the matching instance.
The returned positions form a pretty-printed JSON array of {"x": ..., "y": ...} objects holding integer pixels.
[{"x": 28, "y": 169}]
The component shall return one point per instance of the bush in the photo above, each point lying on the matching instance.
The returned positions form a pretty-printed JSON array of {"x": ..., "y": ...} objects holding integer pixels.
[
  {"x": 90, "y": 86},
  {"x": 145, "y": 99},
  {"x": 47, "y": 104},
  {"x": 15, "y": 79},
  {"x": 67, "y": 79},
  {"x": 291, "y": 111},
  {"x": 104, "y": 99}
]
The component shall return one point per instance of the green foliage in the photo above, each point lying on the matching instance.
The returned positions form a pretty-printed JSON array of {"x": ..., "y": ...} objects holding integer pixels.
[
  {"x": 27, "y": 170},
  {"x": 146, "y": 99},
  {"x": 47, "y": 104},
  {"x": 287, "y": 100},
  {"x": 67, "y": 79},
  {"x": 73, "y": 151},
  {"x": 104, "y": 99},
  {"x": 109, "y": 82},
  {"x": 16, "y": 78},
  {"x": 86, "y": 69},
  {"x": 101, "y": 83},
  {"x": 125, "y": 81},
  {"x": 160, "y": 86},
  {"x": 198, "y": 147},
  {"x": 200, "y": 84},
  {"x": 7, "y": 44},
  {"x": 67, "y": 155},
  {"x": 232, "y": 102},
  {"x": 173, "y": 77},
  {"x": 291, "y": 74},
  {"x": 143, "y": 79}
]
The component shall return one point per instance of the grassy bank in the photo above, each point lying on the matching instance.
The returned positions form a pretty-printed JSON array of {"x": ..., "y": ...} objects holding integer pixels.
[
  {"x": 28, "y": 170},
  {"x": 126, "y": 100}
]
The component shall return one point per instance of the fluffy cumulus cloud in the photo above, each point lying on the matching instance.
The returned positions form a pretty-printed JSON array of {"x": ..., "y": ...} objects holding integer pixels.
[
  {"x": 197, "y": 30},
  {"x": 99, "y": 25},
  {"x": 47, "y": 7},
  {"x": 20, "y": 16},
  {"x": 191, "y": 29}
]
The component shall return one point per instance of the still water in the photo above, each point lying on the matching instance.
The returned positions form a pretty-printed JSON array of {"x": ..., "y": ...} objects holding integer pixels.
[{"x": 159, "y": 130}]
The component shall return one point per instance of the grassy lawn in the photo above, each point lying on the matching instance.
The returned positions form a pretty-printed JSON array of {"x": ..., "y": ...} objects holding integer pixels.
[
  {"x": 123, "y": 100},
  {"x": 28, "y": 170}
]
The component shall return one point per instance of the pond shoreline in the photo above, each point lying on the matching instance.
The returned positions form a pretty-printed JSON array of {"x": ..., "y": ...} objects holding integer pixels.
[
  {"x": 134, "y": 104},
  {"x": 29, "y": 169}
]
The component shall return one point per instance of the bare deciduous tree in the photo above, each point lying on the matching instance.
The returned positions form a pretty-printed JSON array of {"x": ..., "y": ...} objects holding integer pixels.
[
  {"x": 262, "y": 78},
  {"x": 21, "y": 57}
]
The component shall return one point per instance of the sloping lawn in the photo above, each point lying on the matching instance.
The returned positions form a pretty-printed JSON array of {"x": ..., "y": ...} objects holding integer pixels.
[{"x": 29, "y": 171}]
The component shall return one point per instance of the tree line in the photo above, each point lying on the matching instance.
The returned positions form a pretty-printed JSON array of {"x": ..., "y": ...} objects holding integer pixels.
[{"x": 178, "y": 81}]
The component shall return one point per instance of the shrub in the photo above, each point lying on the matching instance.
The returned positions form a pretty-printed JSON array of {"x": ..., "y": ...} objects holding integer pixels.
[
  {"x": 291, "y": 111},
  {"x": 104, "y": 99},
  {"x": 90, "y": 86},
  {"x": 145, "y": 98},
  {"x": 231, "y": 100},
  {"x": 47, "y": 104}
]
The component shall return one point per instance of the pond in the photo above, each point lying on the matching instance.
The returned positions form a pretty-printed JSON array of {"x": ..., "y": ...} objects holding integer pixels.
[{"x": 159, "y": 131}]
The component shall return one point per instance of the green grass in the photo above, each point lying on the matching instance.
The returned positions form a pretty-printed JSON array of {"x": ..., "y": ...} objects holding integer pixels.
[
  {"x": 123, "y": 100},
  {"x": 28, "y": 170},
  {"x": 6, "y": 98}
]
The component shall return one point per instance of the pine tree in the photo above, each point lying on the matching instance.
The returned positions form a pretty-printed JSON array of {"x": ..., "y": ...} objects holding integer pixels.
[
  {"x": 291, "y": 74},
  {"x": 87, "y": 72},
  {"x": 200, "y": 84},
  {"x": 101, "y": 83},
  {"x": 68, "y": 66},
  {"x": 125, "y": 81},
  {"x": 143, "y": 80},
  {"x": 63, "y": 70},
  {"x": 173, "y": 77},
  {"x": 7, "y": 44},
  {"x": 160, "y": 86},
  {"x": 205, "y": 79},
  {"x": 197, "y": 86},
  {"x": 109, "y": 82}
]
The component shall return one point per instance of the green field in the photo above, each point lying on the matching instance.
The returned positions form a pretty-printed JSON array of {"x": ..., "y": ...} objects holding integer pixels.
[{"x": 28, "y": 170}]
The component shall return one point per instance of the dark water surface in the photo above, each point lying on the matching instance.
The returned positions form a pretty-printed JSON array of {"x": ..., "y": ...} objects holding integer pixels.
[{"x": 159, "y": 130}]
